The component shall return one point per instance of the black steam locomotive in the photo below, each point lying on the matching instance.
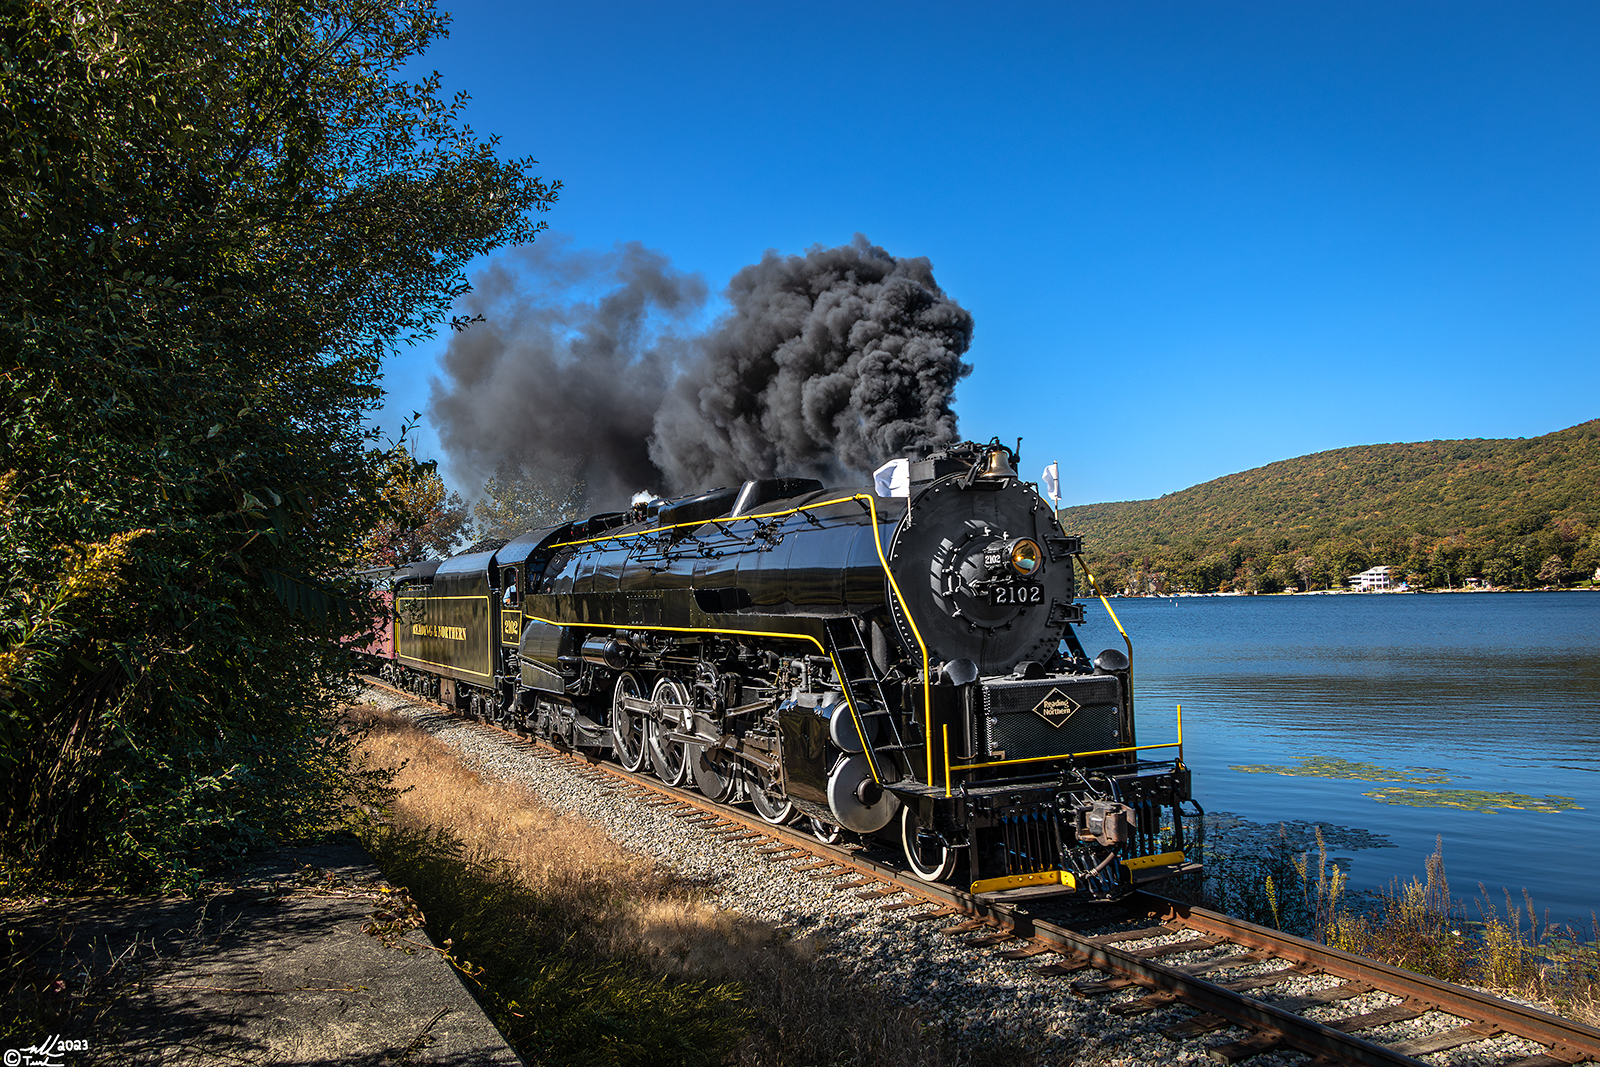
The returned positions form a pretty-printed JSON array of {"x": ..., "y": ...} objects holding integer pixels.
[{"x": 899, "y": 666}]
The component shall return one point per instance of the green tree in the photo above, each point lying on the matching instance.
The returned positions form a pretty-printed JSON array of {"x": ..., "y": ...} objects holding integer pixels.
[
  {"x": 1553, "y": 572},
  {"x": 215, "y": 220},
  {"x": 419, "y": 518},
  {"x": 516, "y": 500}
]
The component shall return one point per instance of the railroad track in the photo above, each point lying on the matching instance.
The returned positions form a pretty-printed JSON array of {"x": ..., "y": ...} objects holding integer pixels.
[{"x": 1212, "y": 946}]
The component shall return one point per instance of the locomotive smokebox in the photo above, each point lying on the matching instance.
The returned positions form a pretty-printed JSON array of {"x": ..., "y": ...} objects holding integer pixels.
[{"x": 984, "y": 575}]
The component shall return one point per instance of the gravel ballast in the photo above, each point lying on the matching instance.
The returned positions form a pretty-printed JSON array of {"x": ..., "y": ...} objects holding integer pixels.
[{"x": 976, "y": 996}]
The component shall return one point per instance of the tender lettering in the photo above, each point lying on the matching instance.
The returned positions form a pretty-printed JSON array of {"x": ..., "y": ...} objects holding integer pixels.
[{"x": 449, "y": 633}]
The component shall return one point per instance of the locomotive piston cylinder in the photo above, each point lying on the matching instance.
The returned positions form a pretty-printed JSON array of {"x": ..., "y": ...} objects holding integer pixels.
[{"x": 606, "y": 652}]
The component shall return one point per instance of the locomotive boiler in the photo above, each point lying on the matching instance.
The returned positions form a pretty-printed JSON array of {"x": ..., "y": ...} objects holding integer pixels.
[{"x": 900, "y": 666}]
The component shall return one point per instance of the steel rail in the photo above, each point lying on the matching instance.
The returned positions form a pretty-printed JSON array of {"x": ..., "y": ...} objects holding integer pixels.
[
  {"x": 1566, "y": 1041},
  {"x": 1564, "y": 1036},
  {"x": 1296, "y": 1031}
]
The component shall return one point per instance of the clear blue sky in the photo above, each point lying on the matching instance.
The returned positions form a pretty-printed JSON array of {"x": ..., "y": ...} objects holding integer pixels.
[{"x": 1196, "y": 238}]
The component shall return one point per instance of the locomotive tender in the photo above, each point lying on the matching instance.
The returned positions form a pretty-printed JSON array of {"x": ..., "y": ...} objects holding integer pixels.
[{"x": 902, "y": 666}]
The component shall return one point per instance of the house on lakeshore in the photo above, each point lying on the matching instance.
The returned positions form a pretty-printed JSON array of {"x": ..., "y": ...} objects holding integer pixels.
[{"x": 1373, "y": 580}]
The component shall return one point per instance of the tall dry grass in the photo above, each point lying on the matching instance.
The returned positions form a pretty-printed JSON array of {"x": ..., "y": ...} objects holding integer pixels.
[
  {"x": 1417, "y": 924},
  {"x": 597, "y": 902},
  {"x": 1420, "y": 926}
]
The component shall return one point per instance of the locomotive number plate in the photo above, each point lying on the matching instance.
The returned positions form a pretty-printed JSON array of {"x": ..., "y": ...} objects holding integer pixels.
[{"x": 1020, "y": 593}]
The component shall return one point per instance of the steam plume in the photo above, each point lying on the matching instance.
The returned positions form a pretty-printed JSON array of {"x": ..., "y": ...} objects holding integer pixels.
[{"x": 826, "y": 364}]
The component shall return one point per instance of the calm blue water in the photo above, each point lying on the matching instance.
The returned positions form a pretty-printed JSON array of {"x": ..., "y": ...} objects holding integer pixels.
[{"x": 1500, "y": 690}]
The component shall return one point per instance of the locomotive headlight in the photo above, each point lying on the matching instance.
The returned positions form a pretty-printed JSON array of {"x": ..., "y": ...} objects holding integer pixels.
[{"x": 1026, "y": 557}]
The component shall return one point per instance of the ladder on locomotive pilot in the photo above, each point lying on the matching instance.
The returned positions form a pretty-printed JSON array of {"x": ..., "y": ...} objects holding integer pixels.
[{"x": 861, "y": 682}]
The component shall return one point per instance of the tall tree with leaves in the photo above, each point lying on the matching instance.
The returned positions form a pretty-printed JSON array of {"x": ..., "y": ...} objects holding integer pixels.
[
  {"x": 215, "y": 220},
  {"x": 418, "y": 516},
  {"x": 515, "y": 501}
]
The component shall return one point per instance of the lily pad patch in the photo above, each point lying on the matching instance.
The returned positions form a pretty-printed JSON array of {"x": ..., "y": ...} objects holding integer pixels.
[
  {"x": 1472, "y": 800},
  {"x": 1334, "y": 767}
]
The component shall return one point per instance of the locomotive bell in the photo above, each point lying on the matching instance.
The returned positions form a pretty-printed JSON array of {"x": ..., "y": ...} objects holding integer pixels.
[
  {"x": 997, "y": 465},
  {"x": 1110, "y": 662}
]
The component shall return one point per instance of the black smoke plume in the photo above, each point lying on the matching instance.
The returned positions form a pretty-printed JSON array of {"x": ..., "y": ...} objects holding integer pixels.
[
  {"x": 566, "y": 373},
  {"x": 825, "y": 365}
]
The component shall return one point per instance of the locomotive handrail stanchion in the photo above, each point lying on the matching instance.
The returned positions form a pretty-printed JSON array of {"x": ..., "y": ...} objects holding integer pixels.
[
  {"x": 1096, "y": 587},
  {"x": 947, "y": 791}
]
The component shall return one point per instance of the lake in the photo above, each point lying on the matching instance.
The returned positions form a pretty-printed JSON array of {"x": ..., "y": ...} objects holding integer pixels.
[{"x": 1452, "y": 693}]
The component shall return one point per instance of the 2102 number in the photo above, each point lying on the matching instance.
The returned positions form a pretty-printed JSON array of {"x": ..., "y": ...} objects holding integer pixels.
[{"x": 1018, "y": 594}]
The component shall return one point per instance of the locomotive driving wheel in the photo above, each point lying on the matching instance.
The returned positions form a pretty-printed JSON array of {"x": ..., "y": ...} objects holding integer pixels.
[
  {"x": 628, "y": 726},
  {"x": 929, "y": 857},
  {"x": 670, "y": 758}
]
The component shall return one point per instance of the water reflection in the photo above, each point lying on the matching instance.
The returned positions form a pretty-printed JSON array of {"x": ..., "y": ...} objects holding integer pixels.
[{"x": 1502, "y": 690}]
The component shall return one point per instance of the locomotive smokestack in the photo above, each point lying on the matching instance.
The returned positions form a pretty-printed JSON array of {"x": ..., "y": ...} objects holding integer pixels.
[{"x": 827, "y": 364}]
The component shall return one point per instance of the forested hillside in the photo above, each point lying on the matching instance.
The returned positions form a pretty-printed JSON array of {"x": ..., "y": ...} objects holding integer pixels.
[{"x": 1517, "y": 513}]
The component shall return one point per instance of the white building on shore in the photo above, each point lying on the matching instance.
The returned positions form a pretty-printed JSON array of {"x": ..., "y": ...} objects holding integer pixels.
[{"x": 1373, "y": 580}]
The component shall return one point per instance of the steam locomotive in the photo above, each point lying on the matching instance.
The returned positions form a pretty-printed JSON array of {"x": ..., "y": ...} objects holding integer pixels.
[{"x": 901, "y": 666}]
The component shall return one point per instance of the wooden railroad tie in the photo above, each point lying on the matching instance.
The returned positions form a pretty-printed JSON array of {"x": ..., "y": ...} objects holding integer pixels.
[
  {"x": 1070, "y": 965},
  {"x": 990, "y": 939},
  {"x": 1135, "y": 935},
  {"x": 1172, "y": 948},
  {"x": 1245, "y": 1047},
  {"x": 1239, "y": 960},
  {"x": 881, "y": 892},
  {"x": 1146, "y": 1003},
  {"x": 1104, "y": 986},
  {"x": 1445, "y": 1039},
  {"x": 854, "y": 883},
  {"x": 1033, "y": 948}
]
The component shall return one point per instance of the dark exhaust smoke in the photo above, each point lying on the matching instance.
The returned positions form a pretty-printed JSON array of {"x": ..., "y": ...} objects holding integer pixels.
[{"x": 826, "y": 365}]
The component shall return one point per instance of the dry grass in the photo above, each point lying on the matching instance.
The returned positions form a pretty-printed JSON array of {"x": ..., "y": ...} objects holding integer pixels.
[
  {"x": 1418, "y": 925},
  {"x": 620, "y": 907},
  {"x": 557, "y": 854}
]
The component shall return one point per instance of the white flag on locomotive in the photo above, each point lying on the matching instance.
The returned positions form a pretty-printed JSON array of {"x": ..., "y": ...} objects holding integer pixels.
[
  {"x": 893, "y": 478},
  {"x": 1052, "y": 485}
]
